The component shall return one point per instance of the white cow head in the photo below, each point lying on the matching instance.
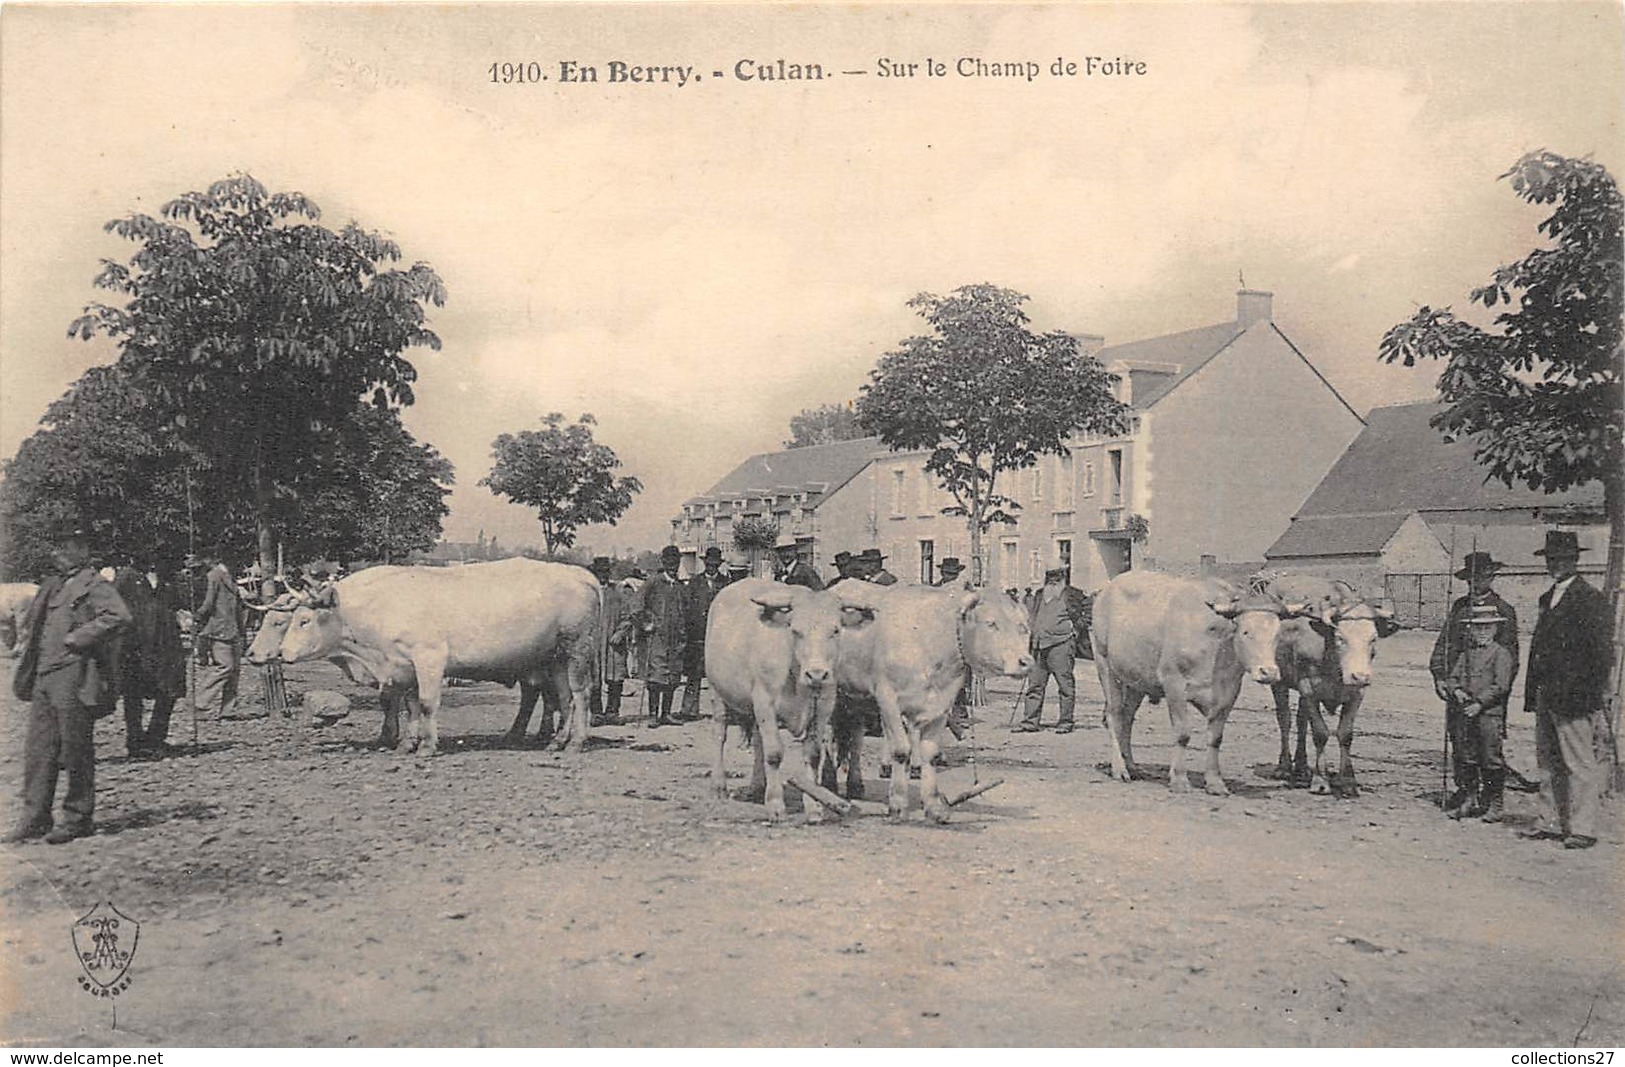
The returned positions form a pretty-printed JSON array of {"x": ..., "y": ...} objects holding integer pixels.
[
  {"x": 1351, "y": 628},
  {"x": 267, "y": 643},
  {"x": 814, "y": 621},
  {"x": 315, "y": 630},
  {"x": 1257, "y": 617},
  {"x": 993, "y": 634}
]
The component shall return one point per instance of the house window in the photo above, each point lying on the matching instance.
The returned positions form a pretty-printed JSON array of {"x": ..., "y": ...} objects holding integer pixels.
[
  {"x": 1037, "y": 488},
  {"x": 926, "y": 492},
  {"x": 1088, "y": 478},
  {"x": 1114, "y": 475},
  {"x": 1063, "y": 556},
  {"x": 1065, "y": 487},
  {"x": 1035, "y": 568},
  {"x": 928, "y": 562},
  {"x": 1010, "y": 563},
  {"x": 899, "y": 484}
]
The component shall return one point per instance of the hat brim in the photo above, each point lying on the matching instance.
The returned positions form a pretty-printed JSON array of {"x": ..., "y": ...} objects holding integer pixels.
[
  {"x": 1490, "y": 569},
  {"x": 1562, "y": 553}
]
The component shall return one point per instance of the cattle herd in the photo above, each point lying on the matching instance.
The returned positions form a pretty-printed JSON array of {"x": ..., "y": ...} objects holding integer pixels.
[{"x": 777, "y": 654}]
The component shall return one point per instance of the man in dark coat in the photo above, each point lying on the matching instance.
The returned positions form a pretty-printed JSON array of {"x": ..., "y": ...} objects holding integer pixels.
[
  {"x": 874, "y": 568},
  {"x": 1478, "y": 571},
  {"x": 701, "y": 590},
  {"x": 950, "y": 571},
  {"x": 606, "y": 710},
  {"x": 1568, "y": 669},
  {"x": 153, "y": 657},
  {"x": 69, "y": 671},
  {"x": 793, "y": 569},
  {"x": 1059, "y": 618},
  {"x": 844, "y": 568},
  {"x": 658, "y": 615}
]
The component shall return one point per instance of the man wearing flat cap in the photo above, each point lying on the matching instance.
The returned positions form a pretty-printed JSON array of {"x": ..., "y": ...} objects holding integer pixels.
[
  {"x": 658, "y": 614},
  {"x": 69, "y": 672},
  {"x": 1059, "y": 619},
  {"x": 1568, "y": 670},
  {"x": 701, "y": 590},
  {"x": 1478, "y": 571}
]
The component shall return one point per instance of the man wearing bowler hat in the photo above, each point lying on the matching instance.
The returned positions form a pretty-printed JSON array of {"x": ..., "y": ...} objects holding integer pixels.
[
  {"x": 874, "y": 567},
  {"x": 1478, "y": 571},
  {"x": 793, "y": 569},
  {"x": 659, "y": 616},
  {"x": 950, "y": 570},
  {"x": 69, "y": 672},
  {"x": 844, "y": 568},
  {"x": 701, "y": 590},
  {"x": 1568, "y": 669}
]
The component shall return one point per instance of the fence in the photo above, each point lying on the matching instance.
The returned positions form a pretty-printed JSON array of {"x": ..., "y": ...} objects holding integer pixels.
[{"x": 1421, "y": 601}]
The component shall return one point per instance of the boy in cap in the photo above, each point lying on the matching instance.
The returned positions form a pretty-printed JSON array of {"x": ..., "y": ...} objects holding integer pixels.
[
  {"x": 1568, "y": 669},
  {"x": 1478, "y": 683}
]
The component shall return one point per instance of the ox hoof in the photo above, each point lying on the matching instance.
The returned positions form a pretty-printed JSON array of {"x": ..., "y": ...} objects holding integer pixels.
[
  {"x": 1319, "y": 787},
  {"x": 1281, "y": 772},
  {"x": 1348, "y": 790},
  {"x": 1215, "y": 786},
  {"x": 937, "y": 813},
  {"x": 1179, "y": 782}
]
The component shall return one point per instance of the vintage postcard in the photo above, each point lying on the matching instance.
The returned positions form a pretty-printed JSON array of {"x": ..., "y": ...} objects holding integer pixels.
[{"x": 438, "y": 438}]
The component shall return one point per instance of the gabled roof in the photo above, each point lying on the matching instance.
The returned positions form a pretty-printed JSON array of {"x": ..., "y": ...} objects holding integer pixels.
[
  {"x": 1399, "y": 463},
  {"x": 1190, "y": 349},
  {"x": 828, "y": 466},
  {"x": 1342, "y": 535}
]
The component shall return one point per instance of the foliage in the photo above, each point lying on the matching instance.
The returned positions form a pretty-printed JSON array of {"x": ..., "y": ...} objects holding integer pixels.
[
  {"x": 986, "y": 396},
  {"x": 755, "y": 534},
  {"x": 824, "y": 425},
  {"x": 564, "y": 474},
  {"x": 254, "y": 329},
  {"x": 1138, "y": 527}
]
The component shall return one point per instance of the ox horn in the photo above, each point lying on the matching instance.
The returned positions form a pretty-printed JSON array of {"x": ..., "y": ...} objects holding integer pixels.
[
  {"x": 859, "y": 596},
  {"x": 780, "y": 599}
]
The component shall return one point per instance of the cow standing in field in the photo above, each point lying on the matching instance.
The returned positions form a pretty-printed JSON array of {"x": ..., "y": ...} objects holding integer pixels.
[
  {"x": 14, "y": 600},
  {"x": 1189, "y": 641},
  {"x": 913, "y": 661},
  {"x": 515, "y": 620},
  {"x": 1325, "y": 656},
  {"x": 770, "y": 652}
]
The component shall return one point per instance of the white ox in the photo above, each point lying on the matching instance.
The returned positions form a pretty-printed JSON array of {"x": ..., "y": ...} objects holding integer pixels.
[
  {"x": 1186, "y": 641},
  {"x": 14, "y": 600},
  {"x": 1325, "y": 656},
  {"x": 515, "y": 620},
  {"x": 912, "y": 662},
  {"x": 770, "y": 656}
]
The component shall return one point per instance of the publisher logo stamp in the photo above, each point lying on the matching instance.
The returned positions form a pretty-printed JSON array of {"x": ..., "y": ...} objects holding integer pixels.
[{"x": 104, "y": 940}]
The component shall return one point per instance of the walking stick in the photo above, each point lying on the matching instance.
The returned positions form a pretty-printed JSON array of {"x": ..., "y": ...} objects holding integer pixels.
[{"x": 1444, "y": 771}]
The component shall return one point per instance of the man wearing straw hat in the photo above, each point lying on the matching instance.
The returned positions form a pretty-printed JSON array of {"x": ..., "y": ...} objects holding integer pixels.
[
  {"x": 1568, "y": 668},
  {"x": 1478, "y": 571},
  {"x": 1479, "y": 682}
]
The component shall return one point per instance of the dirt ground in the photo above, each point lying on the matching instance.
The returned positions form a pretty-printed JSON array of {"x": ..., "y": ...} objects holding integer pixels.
[{"x": 296, "y": 887}]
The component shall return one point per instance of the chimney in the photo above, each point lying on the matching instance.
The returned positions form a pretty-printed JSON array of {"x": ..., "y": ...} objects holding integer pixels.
[{"x": 1253, "y": 305}]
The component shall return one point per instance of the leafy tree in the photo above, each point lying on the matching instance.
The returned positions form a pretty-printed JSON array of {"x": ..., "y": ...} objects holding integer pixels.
[
  {"x": 823, "y": 425},
  {"x": 256, "y": 329},
  {"x": 1540, "y": 393},
  {"x": 986, "y": 395},
  {"x": 564, "y": 474}
]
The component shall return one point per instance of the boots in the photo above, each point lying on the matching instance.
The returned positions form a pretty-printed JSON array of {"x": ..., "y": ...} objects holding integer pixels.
[
  {"x": 1495, "y": 779},
  {"x": 1464, "y": 801}
]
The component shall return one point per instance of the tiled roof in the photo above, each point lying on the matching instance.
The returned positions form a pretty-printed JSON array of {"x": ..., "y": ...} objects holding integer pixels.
[
  {"x": 1190, "y": 349},
  {"x": 1342, "y": 535},
  {"x": 829, "y": 466},
  {"x": 1399, "y": 463}
]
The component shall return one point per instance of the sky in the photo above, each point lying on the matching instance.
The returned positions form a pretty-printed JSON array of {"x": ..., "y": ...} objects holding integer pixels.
[{"x": 695, "y": 264}]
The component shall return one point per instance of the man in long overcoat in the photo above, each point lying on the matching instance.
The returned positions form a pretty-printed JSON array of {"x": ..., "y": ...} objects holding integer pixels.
[
  {"x": 153, "y": 657},
  {"x": 659, "y": 615},
  {"x": 69, "y": 672},
  {"x": 1568, "y": 669},
  {"x": 612, "y": 640},
  {"x": 701, "y": 590}
]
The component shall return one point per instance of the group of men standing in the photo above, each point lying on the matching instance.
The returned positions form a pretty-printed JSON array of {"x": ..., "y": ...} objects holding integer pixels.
[{"x": 1474, "y": 665}]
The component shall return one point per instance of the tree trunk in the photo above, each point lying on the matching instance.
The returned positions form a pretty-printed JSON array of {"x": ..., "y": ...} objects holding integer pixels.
[
  {"x": 977, "y": 578},
  {"x": 262, "y": 525},
  {"x": 1614, "y": 502}
]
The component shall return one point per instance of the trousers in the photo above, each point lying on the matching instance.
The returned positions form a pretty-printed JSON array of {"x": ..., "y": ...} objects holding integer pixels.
[
  {"x": 1477, "y": 739},
  {"x": 60, "y": 738},
  {"x": 1051, "y": 662},
  {"x": 217, "y": 685},
  {"x": 1571, "y": 785}
]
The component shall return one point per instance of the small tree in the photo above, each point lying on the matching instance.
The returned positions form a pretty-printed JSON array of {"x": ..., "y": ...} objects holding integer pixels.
[
  {"x": 986, "y": 395},
  {"x": 1540, "y": 394},
  {"x": 824, "y": 425},
  {"x": 564, "y": 474},
  {"x": 753, "y": 537}
]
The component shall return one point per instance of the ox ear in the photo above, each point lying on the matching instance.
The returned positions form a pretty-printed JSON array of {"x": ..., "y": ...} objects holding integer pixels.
[
  {"x": 325, "y": 597},
  {"x": 1225, "y": 606},
  {"x": 1387, "y": 625}
]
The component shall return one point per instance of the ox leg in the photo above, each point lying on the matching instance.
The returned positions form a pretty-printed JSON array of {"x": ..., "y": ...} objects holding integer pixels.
[
  {"x": 576, "y": 680},
  {"x": 1317, "y": 727},
  {"x": 431, "y": 671},
  {"x": 897, "y": 747},
  {"x": 1346, "y": 786},
  {"x": 936, "y": 808},
  {"x": 409, "y": 737},
  {"x": 528, "y": 693},
  {"x": 756, "y": 791},
  {"x": 389, "y": 735},
  {"x": 1212, "y": 777},
  {"x": 719, "y": 766},
  {"x": 1121, "y": 704},
  {"x": 1300, "y": 760},
  {"x": 767, "y": 730},
  {"x": 1179, "y": 717},
  {"x": 1283, "y": 719}
]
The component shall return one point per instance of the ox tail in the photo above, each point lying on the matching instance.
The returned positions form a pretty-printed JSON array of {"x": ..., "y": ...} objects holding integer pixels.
[{"x": 600, "y": 657}]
